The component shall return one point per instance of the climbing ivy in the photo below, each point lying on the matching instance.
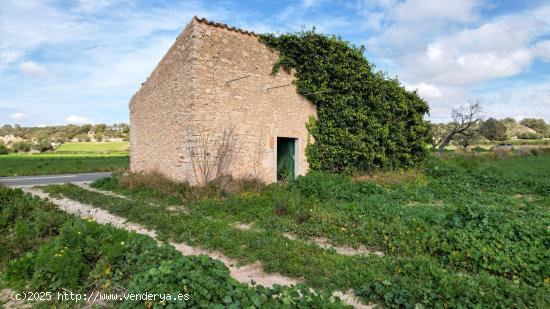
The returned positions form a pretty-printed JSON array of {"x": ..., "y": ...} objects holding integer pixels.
[{"x": 365, "y": 119}]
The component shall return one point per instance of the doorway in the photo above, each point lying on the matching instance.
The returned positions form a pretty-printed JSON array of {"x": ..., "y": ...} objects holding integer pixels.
[{"x": 286, "y": 158}]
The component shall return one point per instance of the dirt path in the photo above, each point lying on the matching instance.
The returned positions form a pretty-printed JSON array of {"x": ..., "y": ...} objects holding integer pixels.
[
  {"x": 321, "y": 242},
  {"x": 86, "y": 186},
  {"x": 244, "y": 274}
]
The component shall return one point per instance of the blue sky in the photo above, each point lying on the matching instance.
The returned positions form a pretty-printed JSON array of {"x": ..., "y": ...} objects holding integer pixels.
[{"x": 81, "y": 61}]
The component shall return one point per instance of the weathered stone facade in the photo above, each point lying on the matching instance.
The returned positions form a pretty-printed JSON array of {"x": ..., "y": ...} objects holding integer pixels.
[{"x": 212, "y": 79}]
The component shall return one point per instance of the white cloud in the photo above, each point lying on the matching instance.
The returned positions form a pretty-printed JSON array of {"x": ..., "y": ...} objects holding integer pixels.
[
  {"x": 543, "y": 50},
  {"x": 32, "y": 68},
  {"x": 519, "y": 99},
  {"x": 426, "y": 91},
  {"x": 75, "y": 119},
  {"x": 93, "y": 5},
  {"x": 18, "y": 116},
  {"x": 309, "y": 3},
  {"x": 444, "y": 48},
  {"x": 421, "y": 10}
]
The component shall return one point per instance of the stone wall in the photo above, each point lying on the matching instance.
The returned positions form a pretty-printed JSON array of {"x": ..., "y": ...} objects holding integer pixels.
[{"x": 214, "y": 79}]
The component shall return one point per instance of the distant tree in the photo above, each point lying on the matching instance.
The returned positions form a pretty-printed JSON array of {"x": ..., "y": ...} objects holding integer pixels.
[
  {"x": 99, "y": 128},
  {"x": 60, "y": 137},
  {"x": 539, "y": 125},
  {"x": 6, "y": 130},
  {"x": 100, "y": 136},
  {"x": 493, "y": 130},
  {"x": 509, "y": 120},
  {"x": 23, "y": 146},
  {"x": 467, "y": 137},
  {"x": 85, "y": 128},
  {"x": 3, "y": 149},
  {"x": 465, "y": 122},
  {"x": 83, "y": 137},
  {"x": 43, "y": 146},
  {"x": 124, "y": 128},
  {"x": 530, "y": 135}
]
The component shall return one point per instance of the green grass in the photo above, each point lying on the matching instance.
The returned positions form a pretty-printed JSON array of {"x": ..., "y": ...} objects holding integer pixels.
[
  {"x": 51, "y": 163},
  {"x": 463, "y": 232},
  {"x": 93, "y": 147},
  {"x": 44, "y": 249}
]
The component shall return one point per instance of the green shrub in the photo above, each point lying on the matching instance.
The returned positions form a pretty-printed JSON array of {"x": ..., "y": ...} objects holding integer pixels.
[
  {"x": 530, "y": 135},
  {"x": 22, "y": 146},
  {"x": 107, "y": 183},
  {"x": 58, "y": 267},
  {"x": 3, "y": 149},
  {"x": 43, "y": 146},
  {"x": 365, "y": 120},
  {"x": 480, "y": 149},
  {"x": 207, "y": 283},
  {"x": 331, "y": 186}
]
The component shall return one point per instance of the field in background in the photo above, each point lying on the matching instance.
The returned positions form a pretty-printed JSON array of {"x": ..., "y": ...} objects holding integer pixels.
[
  {"x": 44, "y": 164},
  {"x": 93, "y": 147},
  {"x": 82, "y": 157}
]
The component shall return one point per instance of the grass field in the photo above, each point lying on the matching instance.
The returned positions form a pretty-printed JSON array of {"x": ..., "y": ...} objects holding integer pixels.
[
  {"x": 68, "y": 158},
  {"x": 44, "y": 250},
  {"x": 53, "y": 163},
  {"x": 468, "y": 231},
  {"x": 91, "y": 147}
]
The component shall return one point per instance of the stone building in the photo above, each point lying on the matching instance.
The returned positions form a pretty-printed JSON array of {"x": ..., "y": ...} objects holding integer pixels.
[{"x": 212, "y": 107}]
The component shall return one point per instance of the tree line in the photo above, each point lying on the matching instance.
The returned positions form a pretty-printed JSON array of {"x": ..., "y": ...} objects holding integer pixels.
[
  {"x": 25, "y": 139},
  {"x": 62, "y": 134},
  {"x": 468, "y": 127}
]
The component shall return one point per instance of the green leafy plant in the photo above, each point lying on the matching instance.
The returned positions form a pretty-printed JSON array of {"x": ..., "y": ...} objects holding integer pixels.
[{"x": 365, "y": 119}]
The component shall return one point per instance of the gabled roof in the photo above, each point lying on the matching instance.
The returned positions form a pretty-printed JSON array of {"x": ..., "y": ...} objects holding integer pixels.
[{"x": 224, "y": 26}]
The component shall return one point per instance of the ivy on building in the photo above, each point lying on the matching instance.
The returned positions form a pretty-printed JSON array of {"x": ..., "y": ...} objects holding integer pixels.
[{"x": 365, "y": 120}]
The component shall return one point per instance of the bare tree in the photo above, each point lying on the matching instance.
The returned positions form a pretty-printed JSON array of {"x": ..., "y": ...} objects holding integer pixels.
[
  {"x": 465, "y": 122},
  {"x": 212, "y": 153},
  {"x": 438, "y": 133},
  {"x": 466, "y": 138}
]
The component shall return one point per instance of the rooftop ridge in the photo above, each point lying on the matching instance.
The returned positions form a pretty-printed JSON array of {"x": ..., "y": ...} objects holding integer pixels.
[{"x": 224, "y": 26}]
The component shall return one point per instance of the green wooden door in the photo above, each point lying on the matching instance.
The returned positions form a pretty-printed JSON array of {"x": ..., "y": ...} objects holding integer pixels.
[{"x": 286, "y": 152}]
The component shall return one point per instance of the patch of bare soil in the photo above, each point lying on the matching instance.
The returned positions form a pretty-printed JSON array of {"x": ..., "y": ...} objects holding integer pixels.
[
  {"x": 245, "y": 274},
  {"x": 86, "y": 186},
  {"x": 525, "y": 197},
  {"x": 290, "y": 236},
  {"x": 7, "y": 302},
  {"x": 433, "y": 203},
  {"x": 352, "y": 300},
  {"x": 345, "y": 250},
  {"x": 242, "y": 226},
  {"x": 178, "y": 209}
]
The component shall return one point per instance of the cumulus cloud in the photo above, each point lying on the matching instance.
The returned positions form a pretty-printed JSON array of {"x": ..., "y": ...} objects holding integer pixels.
[
  {"x": 75, "y": 119},
  {"x": 543, "y": 50},
  {"x": 426, "y": 91},
  {"x": 18, "y": 116},
  {"x": 447, "y": 48},
  {"x": 32, "y": 68}
]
